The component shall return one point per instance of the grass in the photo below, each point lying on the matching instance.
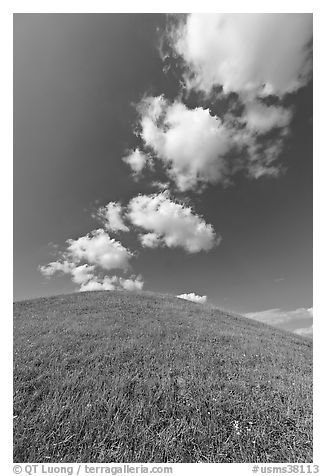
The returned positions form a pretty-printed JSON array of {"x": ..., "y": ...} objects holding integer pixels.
[{"x": 124, "y": 377}]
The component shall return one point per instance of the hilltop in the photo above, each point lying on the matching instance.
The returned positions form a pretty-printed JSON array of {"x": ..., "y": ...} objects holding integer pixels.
[{"x": 142, "y": 377}]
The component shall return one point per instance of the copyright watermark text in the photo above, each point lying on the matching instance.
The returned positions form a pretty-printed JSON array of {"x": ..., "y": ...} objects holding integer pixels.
[{"x": 82, "y": 469}]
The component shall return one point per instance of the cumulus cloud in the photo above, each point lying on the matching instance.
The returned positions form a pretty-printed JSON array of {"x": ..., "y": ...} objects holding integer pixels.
[
  {"x": 169, "y": 223},
  {"x": 85, "y": 259},
  {"x": 191, "y": 143},
  {"x": 137, "y": 161},
  {"x": 110, "y": 283},
  {"x": 193, "y": 297},
  {"x": 197, "y": 148},
  {"x": 85, "y": 276},
  {"x": 99, "y": 249},
  {"x": 79, "y": 274},
  {"x": 250, "y": 54},
  {"x": 61, "y": 267},
  {"x": 111, "y": 217},
  {"x": 164, "y": 222},
  {"x": 132, "y": 284}
]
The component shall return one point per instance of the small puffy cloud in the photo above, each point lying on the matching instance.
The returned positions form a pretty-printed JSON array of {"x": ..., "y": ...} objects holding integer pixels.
[
  {"x": 278, "y": 316},
  {"x": 132, "y": 284},
  {"x": 169, "y": 223},
  {"x": 137, "y": 161},
  {"x": 260, "y": 118},
  {"x": 250, "y": 54},
  {"x": 61, "y": 267},
  {"x": 111, "y": 217},
  {"x": 193, "y": 297},
  {"x": 99, "y": 249},
  {"x": 79, "y": 274},
  {"x": 305, "y": 331},
  {"x": 110, "y": 283},
  {"x": 191, "y": 143}
]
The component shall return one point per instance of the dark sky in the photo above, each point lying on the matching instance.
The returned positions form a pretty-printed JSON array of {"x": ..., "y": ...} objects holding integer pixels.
[{"x": 76, "y": 80}]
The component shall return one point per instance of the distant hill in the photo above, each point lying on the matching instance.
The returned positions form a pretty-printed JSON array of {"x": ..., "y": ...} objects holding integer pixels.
[{"x": 124, "y": 377}]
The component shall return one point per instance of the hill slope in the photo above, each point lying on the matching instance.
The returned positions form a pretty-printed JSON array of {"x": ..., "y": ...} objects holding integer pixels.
[{"x": 123, "y": 377}]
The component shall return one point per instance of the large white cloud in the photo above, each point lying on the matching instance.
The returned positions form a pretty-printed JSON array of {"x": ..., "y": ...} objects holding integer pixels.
[
  {"x": 169, "y": 223},
  {"x": 197, "y": 148},
  {"x": 255, "y": 54},
  {"x": 193, "y": 297},
  {"x": 191, "y": 142}
]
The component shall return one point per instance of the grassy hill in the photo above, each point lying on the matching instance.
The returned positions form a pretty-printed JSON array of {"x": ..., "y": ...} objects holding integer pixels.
[{"x": 124, "y": 377}]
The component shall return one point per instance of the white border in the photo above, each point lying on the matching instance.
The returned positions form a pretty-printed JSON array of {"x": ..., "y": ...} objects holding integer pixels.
[{"x": 96, "y": 6}]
